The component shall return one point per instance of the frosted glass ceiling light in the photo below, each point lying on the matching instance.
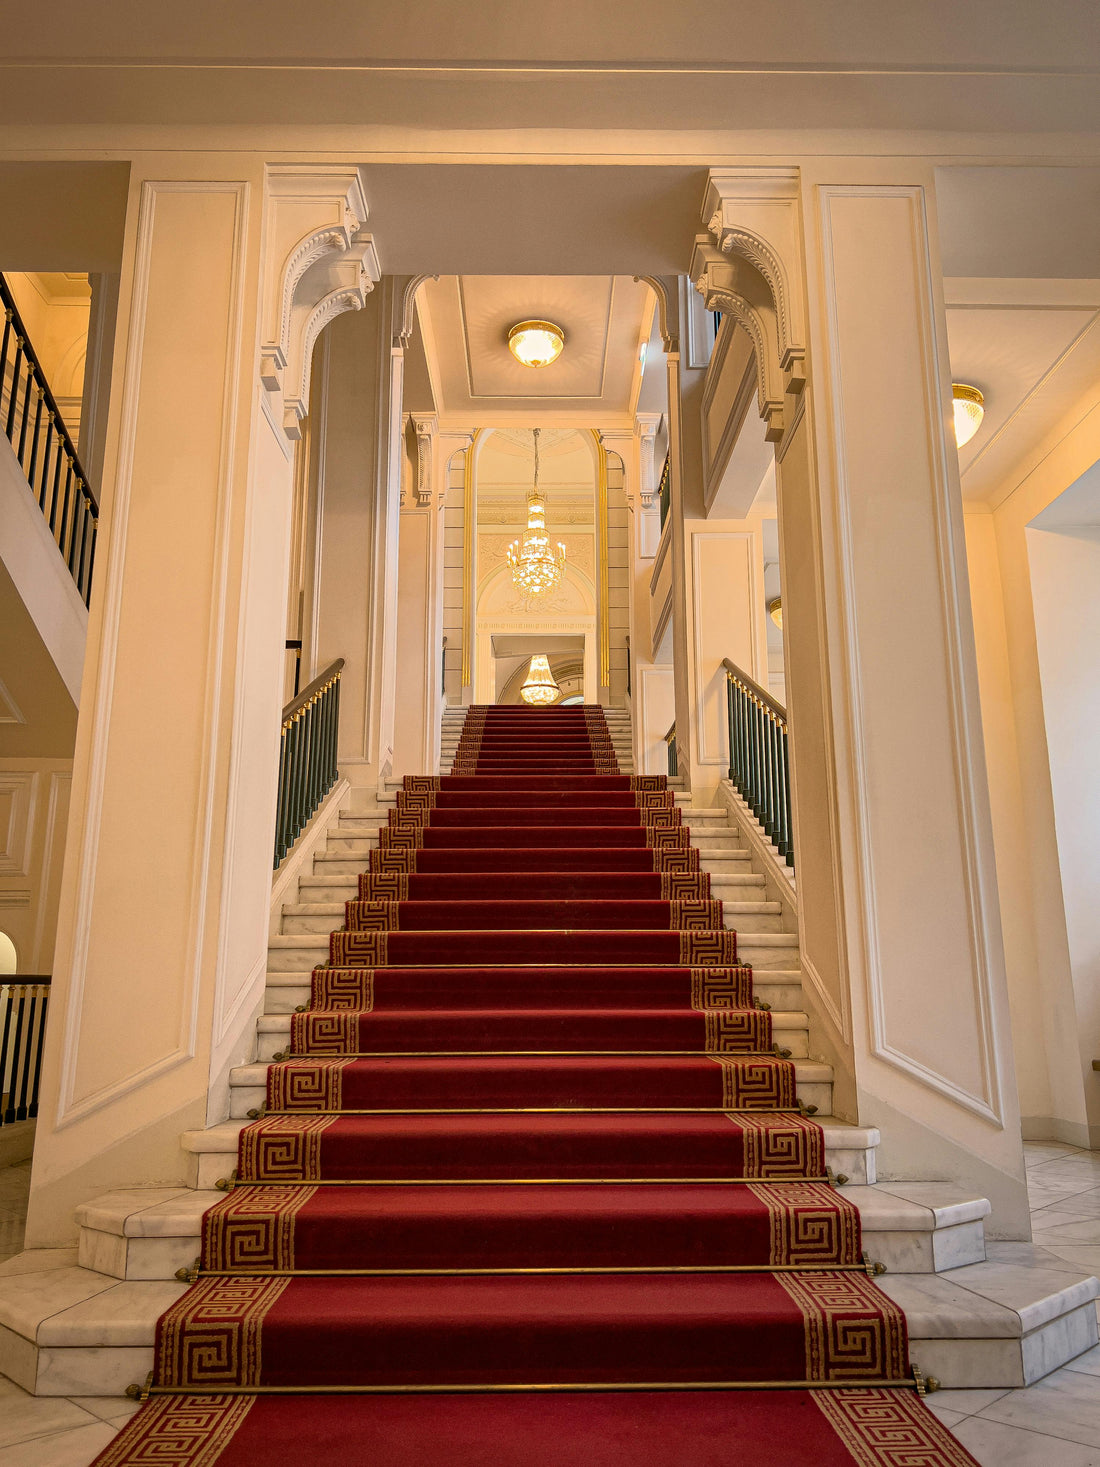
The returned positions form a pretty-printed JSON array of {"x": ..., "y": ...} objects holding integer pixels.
[
  {"x": 969, "y": 412},
  {"x": 775, "y": 611},
  {"x": 536, "y": 343},
  {"x": 540, "y": 689}
]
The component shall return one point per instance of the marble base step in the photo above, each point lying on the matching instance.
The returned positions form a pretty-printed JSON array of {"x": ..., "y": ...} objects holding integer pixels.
[
  {"x": 1004, "y": 1322},
  {"x": 67, "y": 1330},
  {"x": 212, "y": 1153}
]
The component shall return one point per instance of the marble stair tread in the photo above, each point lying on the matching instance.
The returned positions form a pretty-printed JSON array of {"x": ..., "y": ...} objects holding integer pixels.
[
  {"x": 125, "y": 1314},
  {"x": 986, "y": 1300},
  {"x": 124, "y": 1214},
  {"x": 807, "y": 1071},
  {"x": 28, "y": 1299},
  {"x": 223, "y": 1137},
  {"x": 883, "y": 1210}
]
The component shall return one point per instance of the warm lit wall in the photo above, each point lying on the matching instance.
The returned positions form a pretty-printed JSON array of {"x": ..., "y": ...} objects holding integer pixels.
[{"x": 1037, "y": 886}]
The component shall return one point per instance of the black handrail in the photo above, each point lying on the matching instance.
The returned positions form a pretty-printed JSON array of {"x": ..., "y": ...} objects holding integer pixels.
[
  {"x": 673, "y": 754},
  {"x": 760, "y": 756},
  {"x": 23, "y": 1003},
  {"x": 628, "y": 667},
  {"x": 664, "y": 493},
  {"x": 307, "y": 755},
  {"x": 443, "y": 670},
  {"x": 34, "y": 427},
  {"x": 296, "y": 648}
]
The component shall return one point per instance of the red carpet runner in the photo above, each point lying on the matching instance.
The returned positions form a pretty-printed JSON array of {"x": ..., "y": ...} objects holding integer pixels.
[{"x": 532, "y": 1184}]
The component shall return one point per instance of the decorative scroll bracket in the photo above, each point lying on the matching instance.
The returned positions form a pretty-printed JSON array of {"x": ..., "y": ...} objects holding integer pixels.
[
  {"x": 320, "y": 263},
  {"x": 737, "y": 289}
]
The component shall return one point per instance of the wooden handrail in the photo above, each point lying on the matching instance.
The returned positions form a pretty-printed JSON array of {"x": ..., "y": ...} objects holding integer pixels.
[
  {"x": 322, "y": 680},
  {"x": 733, "y": 671}
]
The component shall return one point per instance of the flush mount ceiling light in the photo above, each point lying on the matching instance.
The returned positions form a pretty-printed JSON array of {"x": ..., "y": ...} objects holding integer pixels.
[
  {"x": 536, "y": 343},
  {"x": 775, "y": 611},
  {"x": 540, "y": 689},
  {"x": 969, "y": 412}
]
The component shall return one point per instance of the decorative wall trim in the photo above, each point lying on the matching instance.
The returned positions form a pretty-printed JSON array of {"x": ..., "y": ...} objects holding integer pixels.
[
  {"x": 885, "y": 1046},
  {"x": 604, "y": 610},
  {"x": 16, "y": 847},
  {"x": 70, "y": 1107},
  {"x": 60, "y": 789}
]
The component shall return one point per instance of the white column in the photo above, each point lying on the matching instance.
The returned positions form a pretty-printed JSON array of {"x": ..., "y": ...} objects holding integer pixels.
[
  {"x": 903, "y": 971},
  {"x": 161, "y": 949}
]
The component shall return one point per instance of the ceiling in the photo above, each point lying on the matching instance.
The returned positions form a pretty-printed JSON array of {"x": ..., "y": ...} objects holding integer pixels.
[
  {"x": 578, "y": 63},
  {"x": 465, "y": 319},
  {"x": 1033, "y": 348}
]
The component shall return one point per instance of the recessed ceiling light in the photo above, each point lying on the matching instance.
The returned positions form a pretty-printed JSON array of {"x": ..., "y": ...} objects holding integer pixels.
[
  {"x": 969, "y": 412},
  {"x": 536, "y": 343}
]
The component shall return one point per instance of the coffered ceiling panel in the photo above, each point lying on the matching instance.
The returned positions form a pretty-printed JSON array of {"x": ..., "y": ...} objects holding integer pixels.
[{"x": 466, "y": 319}]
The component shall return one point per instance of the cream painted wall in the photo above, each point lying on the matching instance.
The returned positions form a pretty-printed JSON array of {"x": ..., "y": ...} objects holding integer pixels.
[
  {"x": 1057, "y": 1100},
  {"x": 34, "y": 810}
]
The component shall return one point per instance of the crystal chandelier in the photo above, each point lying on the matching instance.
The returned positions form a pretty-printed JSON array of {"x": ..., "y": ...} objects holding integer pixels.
[
  {"x": 540, "y": 689},
  {"x": 537, "y": 566}
]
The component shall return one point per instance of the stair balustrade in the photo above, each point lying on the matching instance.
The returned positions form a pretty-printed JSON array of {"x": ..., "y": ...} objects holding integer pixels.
[
  {"x": 759, "y": 756},
  {"x": 664, "y": 492},
  {"x": 307, "y": 756},
  {"x": 36, "y": 431},
  {"x": 23, "y": 1004}
]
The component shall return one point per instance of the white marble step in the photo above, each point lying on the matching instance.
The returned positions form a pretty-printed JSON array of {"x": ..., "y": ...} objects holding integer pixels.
[
  {"x": 745, "y": 916},
  {"x": 1004, "y": 1322},
  {"x": 301, "y": 952},
  {"x": 779, "y": 988},
  {"x": 75, "y": 1331},
  {"x": 790, "y": 1027},
  {"x": 247, "y": 1086},
  {"x": 212, "y": 1153},
  {"x": 330, "y": 888},
  {"x": 149, "y": 1233}
]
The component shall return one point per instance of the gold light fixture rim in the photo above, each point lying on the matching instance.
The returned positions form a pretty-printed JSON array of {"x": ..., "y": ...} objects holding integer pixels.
[
  {"x": 963, "y": 392},
  {"x": 775, "y": 611},
  {"x": 522, "y": 327}
]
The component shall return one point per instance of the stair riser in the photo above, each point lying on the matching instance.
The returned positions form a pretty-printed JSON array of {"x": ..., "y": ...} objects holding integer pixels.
[
  {"x": 303, "y": 957},
  {"x": 268, "y": 1045},
  {"x": 136, "y": 1258},
  {"x": 295, "y": 925},
  {"x": 243, "y": 1098},
  {"x": 933, "y": 1252},
  {"x": 977, "y": 1364}
]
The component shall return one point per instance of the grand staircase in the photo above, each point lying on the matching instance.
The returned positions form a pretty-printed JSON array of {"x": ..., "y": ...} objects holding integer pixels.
[
  {"x": 534, "y": 1132},
  {"x": 82, "y": 1322}
]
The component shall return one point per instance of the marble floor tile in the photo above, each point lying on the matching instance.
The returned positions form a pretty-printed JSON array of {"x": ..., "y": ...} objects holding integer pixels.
[
  {"x": 1036, "y": 1152},
  {"x": 23, "y": 1416},
  {"x": 118, "y": 1408},
  {"x": 997, "y": 1445},
  {"x": 75, "y": 1448},
  {"x": 967, "y": 1402},
  {"x": 1079, "y": 1230},
  {"x": 1088, "y": 1363},
  {"x": 1065, "y": 1405}
]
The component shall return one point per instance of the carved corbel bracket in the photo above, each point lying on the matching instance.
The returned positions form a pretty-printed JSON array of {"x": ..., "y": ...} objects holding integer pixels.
[
  {"x": 408, "y": 303},
  {"x": 425, "y": 426},
  {"x": 737, "y": 289},
  {"x": 318, "y": 264},
  {"x": 753, "y": 215},
  {"x": 646, "y": 426}
]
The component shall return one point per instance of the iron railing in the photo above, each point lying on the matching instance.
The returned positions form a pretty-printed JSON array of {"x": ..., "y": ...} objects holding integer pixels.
[
  {"x": 23, "y": 1004},
  {"x": 673, "y": 756},
  {"x": 295, "y": 646},
  {"x": 34, "y": 427},
  {"x": 759, "y": 756},
  {"x": 307, "y": 755},
  {"x": 664, "y": 493}
]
